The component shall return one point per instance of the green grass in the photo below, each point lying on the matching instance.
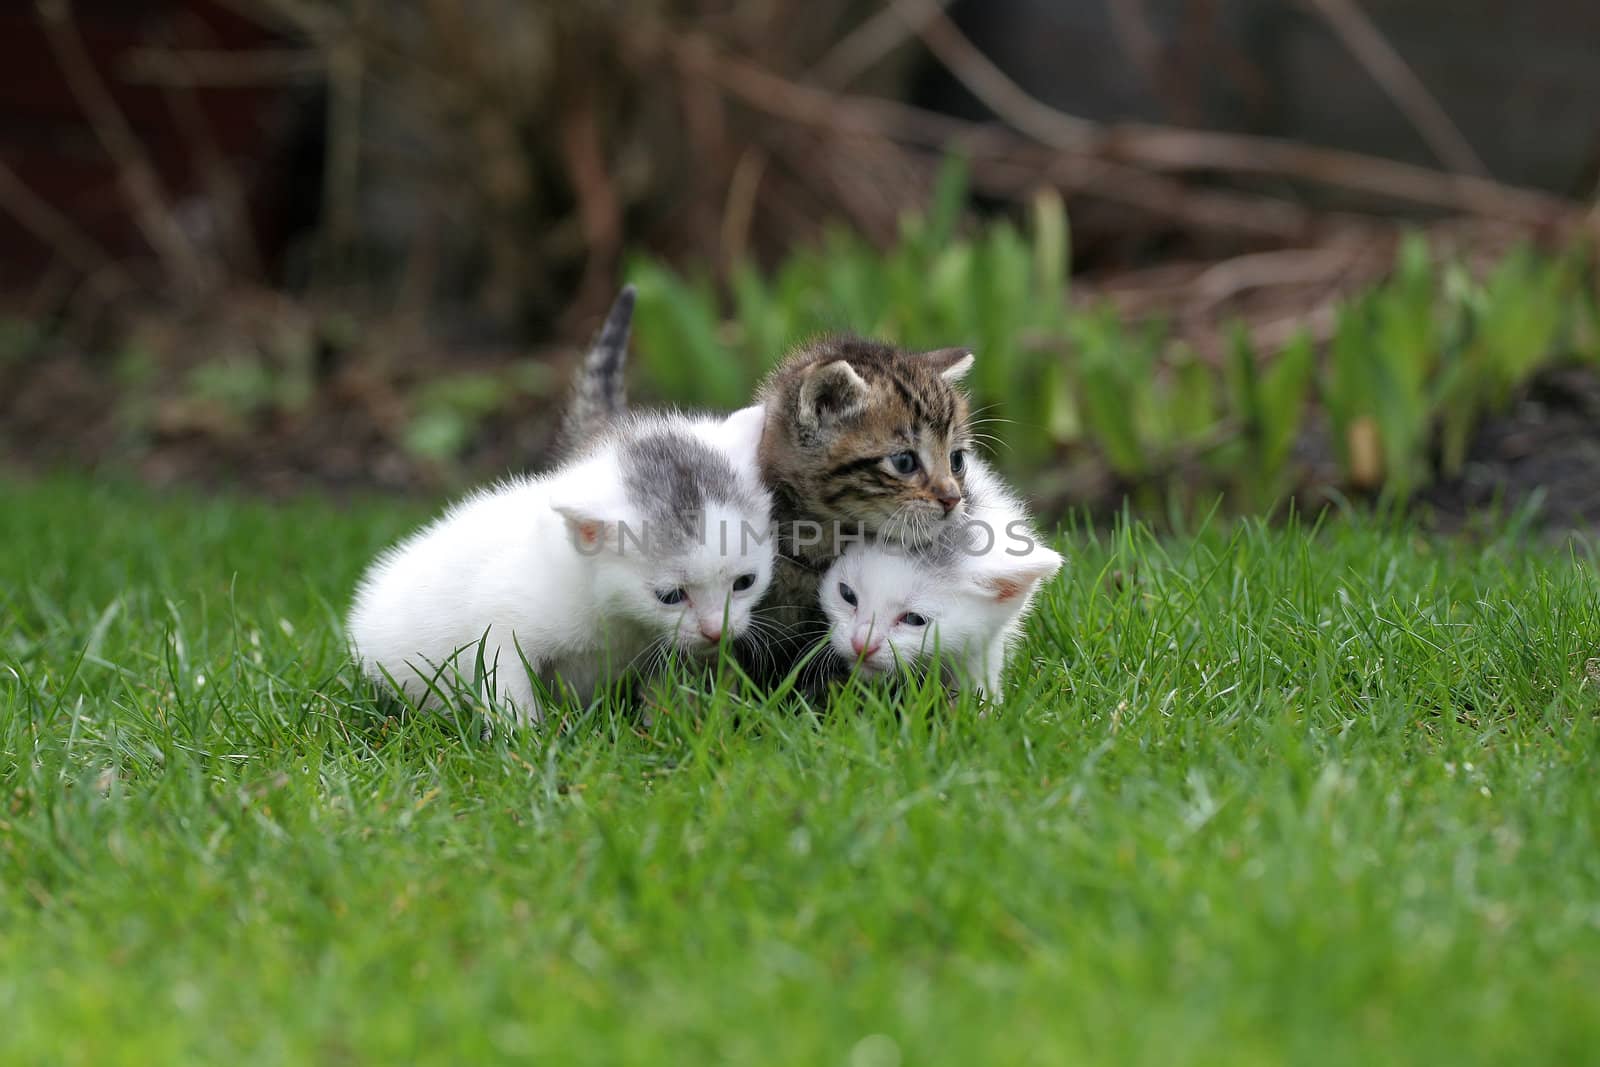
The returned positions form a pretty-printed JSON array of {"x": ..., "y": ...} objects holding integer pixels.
[{"x": 1267, "y": 796}]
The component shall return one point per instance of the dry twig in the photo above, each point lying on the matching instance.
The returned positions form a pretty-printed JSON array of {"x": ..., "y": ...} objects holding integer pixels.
[
  {"x": 740, "y": 205},
  {"x": 1178, "y": 150},
  {"x": 57, "y": 232},
  {"x": 199, "y": 67},
  {"x": 988, "y": 82},
  {"x": 140, "y": 183},
  {"x": 1287, "y": 266},
  {"x": 1130, "y": 24},
  {"x": 1390, "y": 70},
  {"x": 223, "y": 186},
  {"x": 342, "y": 173},
  {"x": 1214, "y": 210},
  {"x": 1238, "y": 153},
  {"x": 864, "y": 46},
  {"x": 599, "y": 207},
  {"x": 1144, "y": 147}
]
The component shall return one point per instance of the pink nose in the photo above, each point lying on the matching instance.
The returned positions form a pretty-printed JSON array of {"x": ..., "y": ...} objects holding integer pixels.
[
  {"x": 711, "y": 632},
  {"x": 860, "y": 647}
]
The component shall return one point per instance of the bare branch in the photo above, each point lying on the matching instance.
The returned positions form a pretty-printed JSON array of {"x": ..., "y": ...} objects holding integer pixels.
[
  {"x": 1165, "y": 198},
  {"x": 599, "y": 207},
  {"x": 864, "y": 46},
  {"x": 773, "y": 94},
  {"x": 1143, "y": 146},
  {"x": 740, "y": 206},
  {"x": 151, "y": 208},
  {"x": 56, "y": 231},
  {"x": 194, "y": 68},
  {"x": 988, "y": 82},
  {"x": 1319, "y": 264},
  {"x": 1390, "y": 70},
  {"x": 342, "y": 168},
  {"x": 1130, "y": 23},
  {"x": 307, "y": 17},
  {"x": 1174, "y": 149},
  {"x": 236, "y": 236}
]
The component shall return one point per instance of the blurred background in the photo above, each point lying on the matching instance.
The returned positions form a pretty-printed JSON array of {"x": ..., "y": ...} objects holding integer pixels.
[{"x": 1276, "y": 250}]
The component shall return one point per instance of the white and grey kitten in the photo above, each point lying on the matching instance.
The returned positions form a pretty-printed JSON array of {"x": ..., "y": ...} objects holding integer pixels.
[
  {"x": 964, "y": 599},
  {"x": 655, "y": 537}
]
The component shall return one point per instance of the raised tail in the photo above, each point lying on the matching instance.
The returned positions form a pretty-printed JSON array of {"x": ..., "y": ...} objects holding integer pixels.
[{"x": 598, "y": 395}]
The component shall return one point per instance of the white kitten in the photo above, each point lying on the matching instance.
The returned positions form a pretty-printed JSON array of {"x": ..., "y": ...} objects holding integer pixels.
[
  {"x": 964, "y": 599},
  {"x": 655, "y": 537}
]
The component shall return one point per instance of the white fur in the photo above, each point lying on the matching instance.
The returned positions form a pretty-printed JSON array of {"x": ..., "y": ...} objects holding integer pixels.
[
  {"x": 504, "y": 567},
  {"x": 974, "y": 603},
  {"x": 958, "y": 370}
]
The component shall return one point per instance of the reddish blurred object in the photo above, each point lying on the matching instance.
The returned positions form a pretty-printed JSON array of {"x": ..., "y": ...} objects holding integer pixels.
[{"x": 223, "y": 153}]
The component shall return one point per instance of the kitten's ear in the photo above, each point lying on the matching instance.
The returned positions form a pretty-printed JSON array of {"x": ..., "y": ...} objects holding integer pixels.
[
  {"x": 1016, "y": 578},
  {"x": 951, "y": 363},
  {"x": 741, "y": 431},
  {"x": 589, "y": 530},
  {"x": 593, "y": 519},
  {"x": 831, "y": 391}
]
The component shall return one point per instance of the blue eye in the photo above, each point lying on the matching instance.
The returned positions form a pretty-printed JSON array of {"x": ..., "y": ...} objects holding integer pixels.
[
  {"x": 743, "y": 582},
  {"x": 904, "y": 462},
  {"x": 848, "y": 594},
  {"x": 911, "y": 618},
  {"x": 958, "y": 461},
  {"x": 671, "y": 596}
]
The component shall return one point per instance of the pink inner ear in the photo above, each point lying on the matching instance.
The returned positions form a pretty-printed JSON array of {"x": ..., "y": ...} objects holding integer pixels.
[
  {"x": 590, "y": 532},
  {"x": 1007, "y": 588}
]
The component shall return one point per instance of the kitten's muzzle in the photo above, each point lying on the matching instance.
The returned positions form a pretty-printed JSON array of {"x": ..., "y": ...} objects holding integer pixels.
[
  {"x": 947, "y": 493},
  {"x": 865, "y": 646}
]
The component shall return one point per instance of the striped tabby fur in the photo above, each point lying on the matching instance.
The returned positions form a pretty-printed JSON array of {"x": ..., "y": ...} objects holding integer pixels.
[
  {"x": 598, "y": 394},
  {"x": 838, "y": 412}
]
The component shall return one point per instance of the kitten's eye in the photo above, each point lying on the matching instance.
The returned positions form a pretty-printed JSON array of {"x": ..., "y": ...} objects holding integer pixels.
[
  {"x": 672, "y": 596},
  {"x": 911, "y": 618},
  {"x": 958, "y": 461},
  {"x": 743, "y": 582},
  {"x": 904, "y": 462},
  {"x": 848, "y": 594}
]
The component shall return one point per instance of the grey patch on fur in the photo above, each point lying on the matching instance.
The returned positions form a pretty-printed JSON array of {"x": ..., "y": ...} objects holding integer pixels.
[
  {"x": 599, "y": 395},
  {"x": 673, "y": 477}
]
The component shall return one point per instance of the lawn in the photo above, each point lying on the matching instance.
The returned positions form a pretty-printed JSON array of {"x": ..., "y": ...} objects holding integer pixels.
[{"x": 1261, "y": 795}]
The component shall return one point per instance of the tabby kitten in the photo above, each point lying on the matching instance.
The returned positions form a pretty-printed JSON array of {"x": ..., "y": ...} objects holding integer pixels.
[{"x": 862, "y": 440}]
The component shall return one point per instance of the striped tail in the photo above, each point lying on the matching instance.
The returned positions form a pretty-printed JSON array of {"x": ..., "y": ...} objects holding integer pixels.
[{"x": 598, "y": 395}]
